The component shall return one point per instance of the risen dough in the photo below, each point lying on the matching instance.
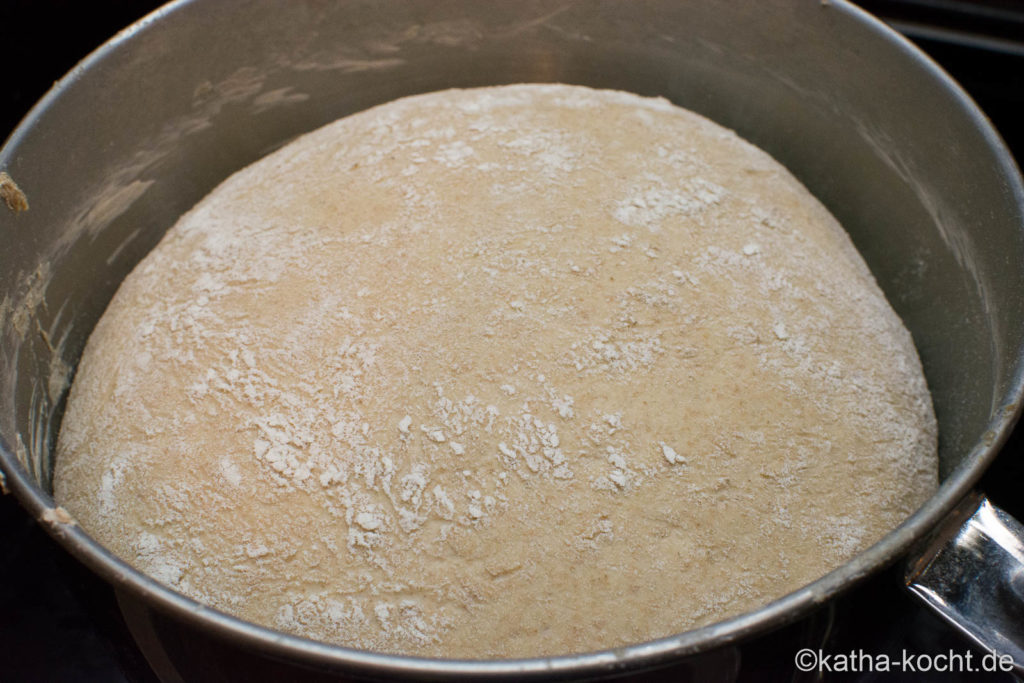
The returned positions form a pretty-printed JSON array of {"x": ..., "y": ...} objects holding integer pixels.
[{"x": 501, "y": 372}]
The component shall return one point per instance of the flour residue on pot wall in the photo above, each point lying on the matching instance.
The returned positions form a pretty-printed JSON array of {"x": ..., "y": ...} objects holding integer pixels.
[
  {"x": 959, "y": 236},
  {"x": 11, "y": 194}
]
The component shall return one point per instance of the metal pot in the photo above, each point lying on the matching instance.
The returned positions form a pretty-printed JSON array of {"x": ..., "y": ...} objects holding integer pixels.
[{"x": 158, "y": 116}]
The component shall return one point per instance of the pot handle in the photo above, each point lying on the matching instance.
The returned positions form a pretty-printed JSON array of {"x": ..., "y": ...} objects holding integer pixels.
[{"x": 971, "y": 573}]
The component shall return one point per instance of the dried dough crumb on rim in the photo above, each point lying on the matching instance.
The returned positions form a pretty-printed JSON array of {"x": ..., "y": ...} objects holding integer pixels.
[{"x": 502, "y": 372}]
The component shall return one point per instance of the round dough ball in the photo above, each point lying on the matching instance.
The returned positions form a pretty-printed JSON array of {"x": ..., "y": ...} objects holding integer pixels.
[{"x": 513, "y": 371}]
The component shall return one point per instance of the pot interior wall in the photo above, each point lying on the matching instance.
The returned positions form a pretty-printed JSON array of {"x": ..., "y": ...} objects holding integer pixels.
[{"x": 156, "y": 120}]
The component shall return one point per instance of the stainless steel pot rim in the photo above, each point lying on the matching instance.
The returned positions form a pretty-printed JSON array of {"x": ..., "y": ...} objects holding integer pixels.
[{"x": 652, "y": 653}]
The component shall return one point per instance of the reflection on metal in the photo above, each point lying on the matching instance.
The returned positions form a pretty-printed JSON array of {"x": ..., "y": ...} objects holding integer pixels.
[{"x": 972, "y": 575}]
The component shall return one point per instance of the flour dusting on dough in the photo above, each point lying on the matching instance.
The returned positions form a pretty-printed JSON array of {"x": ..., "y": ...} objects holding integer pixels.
[{"x": 513, "y": 371}]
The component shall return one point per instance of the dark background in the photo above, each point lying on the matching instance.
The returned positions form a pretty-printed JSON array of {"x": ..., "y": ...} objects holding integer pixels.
[{"x": 59, "y": 623}]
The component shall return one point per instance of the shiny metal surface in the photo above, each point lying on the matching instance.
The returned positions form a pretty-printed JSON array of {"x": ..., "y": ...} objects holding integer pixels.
[
  {"x": 157, "y": 117},
  {"x": 972, "y": 575}
]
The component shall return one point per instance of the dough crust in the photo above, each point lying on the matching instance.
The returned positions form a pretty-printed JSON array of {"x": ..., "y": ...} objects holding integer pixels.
[{"x": 511, "y": 371}]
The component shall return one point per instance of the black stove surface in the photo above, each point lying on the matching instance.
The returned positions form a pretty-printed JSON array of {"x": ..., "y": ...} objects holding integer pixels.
[{"x": 60, "y": 623}]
